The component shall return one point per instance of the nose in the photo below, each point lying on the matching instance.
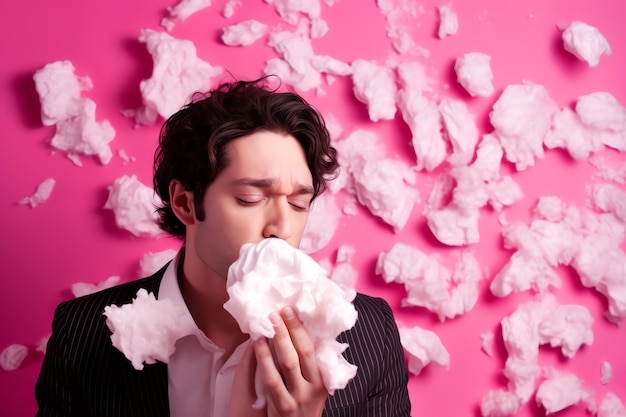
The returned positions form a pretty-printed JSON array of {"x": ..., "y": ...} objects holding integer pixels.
[{"x": 278, "y": 220}]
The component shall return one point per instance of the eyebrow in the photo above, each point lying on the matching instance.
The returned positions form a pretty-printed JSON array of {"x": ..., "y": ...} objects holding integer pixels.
[{"x": 269, "y": 183}]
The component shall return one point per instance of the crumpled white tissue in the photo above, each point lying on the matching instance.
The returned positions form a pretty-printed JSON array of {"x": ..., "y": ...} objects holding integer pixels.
[
  {"x": 429, "y": 283},
  {"x": 146, "y": 330},
  {"x": 448, "y": 22},
  {"x": 243, "y": 33},
  {"x": 182, "y": 11},
  {"x": 562, "y": 390},
  {"x": 381, "y": 184},
  {"x": 423, "y": 347},
  {"x": 151, "y": 262},
  {"x": 521, "y": 117},
  {"x": 176, "y": 75},
  {"x": 321, "y": 224},
  {"x": 77, "y": 131},
  {"x": 605, "y": 117},
  {"x": 271, "y": 275},
  {"x": 42, "y": 193},
  {"x": 134, "y": 205},
  {"x": 473, "y": 72},
  {"x": 540, "y": 321},
  {"x": 421, "y": 115},
  {"x": 585, "y": 42},
  {"x": 83, "y": 288},
  {"x": 12, "y": 356},
  {"x": 374, "y": 86},
  {"x": 611, "y": 406}
]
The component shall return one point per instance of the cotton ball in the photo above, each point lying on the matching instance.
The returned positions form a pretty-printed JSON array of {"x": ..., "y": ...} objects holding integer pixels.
[
  {"x": 42, "y": 193},
  {"x": 423, "y": 347}
]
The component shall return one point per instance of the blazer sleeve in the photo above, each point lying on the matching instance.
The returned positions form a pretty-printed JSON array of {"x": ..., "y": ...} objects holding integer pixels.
[{"x": 379, "y": 388}]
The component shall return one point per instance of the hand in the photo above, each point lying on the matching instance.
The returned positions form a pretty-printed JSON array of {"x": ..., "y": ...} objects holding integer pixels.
[{"x": 293, "y": 383}]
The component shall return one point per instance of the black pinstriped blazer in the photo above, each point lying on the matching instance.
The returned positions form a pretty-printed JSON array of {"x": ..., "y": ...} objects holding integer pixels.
[{"x": 83, "y": 375}]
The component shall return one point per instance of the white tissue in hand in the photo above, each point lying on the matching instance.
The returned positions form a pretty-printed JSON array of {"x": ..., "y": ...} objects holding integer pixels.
[
  {"x": 145, "y": 330},
  {"x": 134, "y": 205},
  {"x": 271, "y": 275},
  {"x": 585, "y": 42}
]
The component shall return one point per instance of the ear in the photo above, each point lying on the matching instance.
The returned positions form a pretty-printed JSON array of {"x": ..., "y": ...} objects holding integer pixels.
[{"x": 181, "y": 201}]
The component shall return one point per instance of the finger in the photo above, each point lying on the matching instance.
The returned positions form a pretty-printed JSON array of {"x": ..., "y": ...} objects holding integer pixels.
[
  {"x": 303, "y": 345},
  {"x": 267, "y": 367},
  {"x": 285, "y": 352}
]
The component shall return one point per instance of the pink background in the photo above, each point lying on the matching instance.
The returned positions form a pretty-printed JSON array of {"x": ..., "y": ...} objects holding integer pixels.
[{"x": 71, "y": 238}]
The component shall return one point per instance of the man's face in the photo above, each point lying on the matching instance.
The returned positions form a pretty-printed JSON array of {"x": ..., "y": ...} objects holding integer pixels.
[{"x": 264, "y": 192}]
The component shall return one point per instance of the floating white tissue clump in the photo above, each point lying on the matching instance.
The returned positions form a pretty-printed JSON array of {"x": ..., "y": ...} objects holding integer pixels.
[
  {"x": 321, "y": 224},
  {"x": 521, "y": 117},
  {"x": 231, "y": 7},
  {"x": 13, "y": 356},
  {"x": 77, "y": 131},
  {"x": 611, "y": 406},
  {"x": 374, "y": 86},
  {"x": 541, "y": 321},
  {"x": 177, "y": 74},
  {"x": 271, "y": 275},
  {"x": 605, "y": 116},
  {"x": 134, "y": 205},
  {"x": 146, "y": 330},
  {"x": 486, "y": 343},
  {"x": 151, "y": 262},
  {"x": 429, "y": 283},
  {"x": 460, "y": 129},
  {"x": 561, "y": 234},
  {"x": 384, "y": 186},
  {"x": 296, "y": 66},
  {"x": 585, "y": 42},
  {"x": 182, "y": 11},
  {"x": 473, "y": 72},
  {"x": 423, "y": 347},
  {"x": 606, "y": 372},
  {"x": 42, "y": 193},
  {"x": 562, "y": 390},
  {"x": 290, "y": 12},
  {"x": 422, "y": 116},
  {"x": 244, "y": 33},
  {"x": 448, "y": 22},
  {"x": 83, "y": 288},
  {"x": 453, "y": 206}
]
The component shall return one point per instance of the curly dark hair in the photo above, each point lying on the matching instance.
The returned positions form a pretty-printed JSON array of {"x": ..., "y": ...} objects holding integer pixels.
[{"x": 193, "y": 141}]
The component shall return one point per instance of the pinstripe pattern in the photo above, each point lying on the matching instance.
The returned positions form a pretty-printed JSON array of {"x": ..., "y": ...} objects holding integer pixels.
[{"x": 84, "y": 375}]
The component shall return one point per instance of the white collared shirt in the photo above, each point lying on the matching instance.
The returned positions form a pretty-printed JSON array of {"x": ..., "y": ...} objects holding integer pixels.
[{"x": 197, "y": 385}]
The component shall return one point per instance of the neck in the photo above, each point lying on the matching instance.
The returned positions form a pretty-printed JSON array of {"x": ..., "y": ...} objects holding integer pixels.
[{"x": 205, "y": 294}]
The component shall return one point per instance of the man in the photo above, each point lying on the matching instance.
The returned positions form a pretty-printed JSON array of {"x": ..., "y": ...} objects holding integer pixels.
[{"x": 238, "y": 165}]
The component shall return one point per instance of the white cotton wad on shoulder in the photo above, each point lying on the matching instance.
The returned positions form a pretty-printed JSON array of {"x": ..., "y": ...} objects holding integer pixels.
[{"x": 271, "y": 275}]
